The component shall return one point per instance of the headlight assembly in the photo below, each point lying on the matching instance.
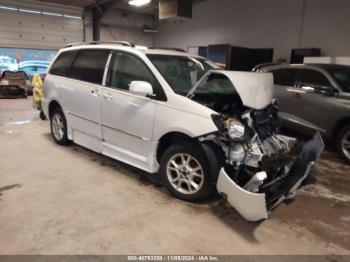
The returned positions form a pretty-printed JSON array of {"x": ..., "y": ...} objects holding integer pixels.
[
  {"x": 232, "y": 128},
  {"x": 235, "y": 129}
]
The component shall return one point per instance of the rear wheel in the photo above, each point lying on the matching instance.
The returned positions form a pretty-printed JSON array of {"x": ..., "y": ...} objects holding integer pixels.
[
  {"x": 186, "y": 172},
  {"x": 343, "y": 143},
  {"x": 58, "y": 126}
]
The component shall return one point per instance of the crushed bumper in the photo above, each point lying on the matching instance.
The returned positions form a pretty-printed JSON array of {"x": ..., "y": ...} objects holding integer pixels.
[{"x": 257, "y": 206}]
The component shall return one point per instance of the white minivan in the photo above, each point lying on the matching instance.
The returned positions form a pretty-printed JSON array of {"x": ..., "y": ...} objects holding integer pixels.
[{"x": 178, "y": 116}]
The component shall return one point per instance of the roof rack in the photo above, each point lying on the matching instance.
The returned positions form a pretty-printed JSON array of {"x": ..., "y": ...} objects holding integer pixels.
[
  {"x": 124, "y": 43},
  {"x": 170, "y": 48}
]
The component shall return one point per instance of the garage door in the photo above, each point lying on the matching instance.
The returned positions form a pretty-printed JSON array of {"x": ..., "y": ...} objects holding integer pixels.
[{"x": 38, "y": 25}]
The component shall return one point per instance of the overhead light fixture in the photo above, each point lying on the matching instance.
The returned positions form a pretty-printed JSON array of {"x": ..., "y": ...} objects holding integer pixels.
[
  {"x": 139, "y": 2},
  {"x": 52, "y": 14},
  {"x": 29, "y": 11}
]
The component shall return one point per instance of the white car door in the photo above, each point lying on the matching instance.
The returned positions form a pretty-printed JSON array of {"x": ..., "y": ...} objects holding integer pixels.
[
  {"x": 80, "y": 95},
  {"x": 127, "y": 119}
]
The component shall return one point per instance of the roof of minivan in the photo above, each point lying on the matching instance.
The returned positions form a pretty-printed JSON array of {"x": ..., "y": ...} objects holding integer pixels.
[{"x": 136, "y": 50}]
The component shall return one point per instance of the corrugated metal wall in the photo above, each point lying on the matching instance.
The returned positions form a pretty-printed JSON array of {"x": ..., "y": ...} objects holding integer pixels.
[{"x": 25, "y": 30}]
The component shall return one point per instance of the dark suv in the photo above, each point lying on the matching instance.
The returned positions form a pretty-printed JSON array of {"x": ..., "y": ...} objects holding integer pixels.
[{"x": 315, "y": 97}]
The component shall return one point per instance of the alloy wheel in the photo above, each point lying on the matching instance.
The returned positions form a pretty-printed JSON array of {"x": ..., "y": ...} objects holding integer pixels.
[
  {"x": 185, "y": 173},
  {"x": 57, "y": 127}
]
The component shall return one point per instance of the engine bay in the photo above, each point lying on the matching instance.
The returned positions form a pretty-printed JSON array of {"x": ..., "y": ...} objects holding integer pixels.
[{"x": 259, "y": 158}]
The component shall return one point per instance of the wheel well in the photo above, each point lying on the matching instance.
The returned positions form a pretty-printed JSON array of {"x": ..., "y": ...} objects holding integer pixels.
[
  {"x": 175, "y": 137},
  {"x": 169, "y": 139},
  {"x": 52, "y": 106},
  {"x": 339, "y": 126}
]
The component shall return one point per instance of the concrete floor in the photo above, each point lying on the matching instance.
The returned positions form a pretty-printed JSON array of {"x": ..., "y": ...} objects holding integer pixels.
[{"x": 68, "y": 200}]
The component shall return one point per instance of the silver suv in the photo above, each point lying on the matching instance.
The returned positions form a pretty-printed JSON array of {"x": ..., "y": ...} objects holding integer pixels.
[{"x": 315, "y": 97}]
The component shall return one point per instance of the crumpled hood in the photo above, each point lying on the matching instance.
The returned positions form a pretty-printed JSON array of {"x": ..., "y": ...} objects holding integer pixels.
[{"x": 255, "y": 89}]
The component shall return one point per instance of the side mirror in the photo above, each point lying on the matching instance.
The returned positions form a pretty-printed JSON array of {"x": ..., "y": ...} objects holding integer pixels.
[{"x": 141, "y": 88}]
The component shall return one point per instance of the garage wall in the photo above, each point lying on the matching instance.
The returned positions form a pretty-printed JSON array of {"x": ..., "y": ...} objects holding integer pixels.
[
  {"x": 263, "y": 24},
  {"x": 117, "y": 27},
  {"x": 25, "y": 30}
]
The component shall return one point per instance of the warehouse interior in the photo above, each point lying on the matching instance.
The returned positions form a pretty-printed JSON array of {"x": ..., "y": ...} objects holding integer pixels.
[{"x": 79, "y": 200}]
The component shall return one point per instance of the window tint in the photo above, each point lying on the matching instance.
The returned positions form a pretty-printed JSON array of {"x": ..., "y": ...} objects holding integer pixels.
[
  {"x": 126, "y": 68},
  {"x": 89, "y": 65},
  {"x": 61, "y": 66},
  {"x": 287, "y": 77},
  {"x": 315, "y": 78}
]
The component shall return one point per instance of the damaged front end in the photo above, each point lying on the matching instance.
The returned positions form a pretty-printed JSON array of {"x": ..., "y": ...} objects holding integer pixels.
[
  {"x": 261, "y": 168},
  {"x": 266, "y": 189}
]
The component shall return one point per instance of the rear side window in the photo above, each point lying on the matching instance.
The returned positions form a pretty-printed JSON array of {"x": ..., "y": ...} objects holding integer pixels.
[
  {"x": 315, "y": 78},
  {"x": 61, "y": 66},
  {"x": 286, "y": 77},
  {"x": 89, "y": 65}
]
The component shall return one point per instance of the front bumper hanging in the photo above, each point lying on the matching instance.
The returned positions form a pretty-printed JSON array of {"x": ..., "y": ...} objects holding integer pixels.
[{"x": 257, "y": 206}]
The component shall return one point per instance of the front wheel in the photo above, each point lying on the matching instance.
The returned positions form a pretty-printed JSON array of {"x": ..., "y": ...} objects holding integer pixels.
[
  {"x": 343, "y": 143},
  {"x": 58, "y": 126},
  {"x": 186, "y": 173}
]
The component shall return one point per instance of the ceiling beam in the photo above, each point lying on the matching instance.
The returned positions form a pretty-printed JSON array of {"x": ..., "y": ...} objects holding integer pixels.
[{"x": 98, "y": 12}]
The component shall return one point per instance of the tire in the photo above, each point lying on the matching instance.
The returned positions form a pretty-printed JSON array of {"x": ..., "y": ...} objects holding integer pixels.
[
  {"x": 58, "y": 125},
  {"x": 180, "y": 181},
  {"x": 343, "y": 143}
]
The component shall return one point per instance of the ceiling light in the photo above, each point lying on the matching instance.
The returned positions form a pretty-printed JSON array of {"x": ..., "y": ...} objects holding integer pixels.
[
  {"x": 139, "y": 2},
  {"x": 29, "y": 11},
  {"x": 52, "y": 14}
]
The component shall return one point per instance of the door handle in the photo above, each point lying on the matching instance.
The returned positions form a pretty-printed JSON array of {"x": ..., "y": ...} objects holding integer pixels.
[{"x": 108, "y": 97}]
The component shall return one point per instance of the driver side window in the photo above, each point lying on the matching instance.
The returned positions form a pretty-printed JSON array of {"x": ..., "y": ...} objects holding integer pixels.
[{"x": 126, "y": 68}]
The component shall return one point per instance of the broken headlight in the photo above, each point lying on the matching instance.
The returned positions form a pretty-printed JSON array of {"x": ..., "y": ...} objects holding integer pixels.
[{"x": 235, "y": 129}]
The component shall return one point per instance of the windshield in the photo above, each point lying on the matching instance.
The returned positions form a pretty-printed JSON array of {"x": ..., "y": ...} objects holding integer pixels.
[
  {"x": 181, "y": 72},
  {"x": 342, "y": 75}
]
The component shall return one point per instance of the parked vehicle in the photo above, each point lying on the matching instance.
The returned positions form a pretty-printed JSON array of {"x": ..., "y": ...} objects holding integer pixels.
[
  {"x": 14, "y": 85},
  {"x": 315, "y": 97},
  {"x": 32, "y": 69},
  {"x": 34, "y": 62},
  {"x": 172, "y": 113},
  {"x": 7, "y": 62}
]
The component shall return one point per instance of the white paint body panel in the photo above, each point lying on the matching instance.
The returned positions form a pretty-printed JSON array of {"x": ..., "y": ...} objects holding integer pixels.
[
  {"x": 127, "y": 122},
  {"x": 251, "y": 206},
  {"x": 255, "y": 90}
]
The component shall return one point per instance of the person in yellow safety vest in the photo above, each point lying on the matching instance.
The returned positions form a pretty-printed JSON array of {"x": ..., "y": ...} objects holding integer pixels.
[{"x": 37, "y": 84}]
